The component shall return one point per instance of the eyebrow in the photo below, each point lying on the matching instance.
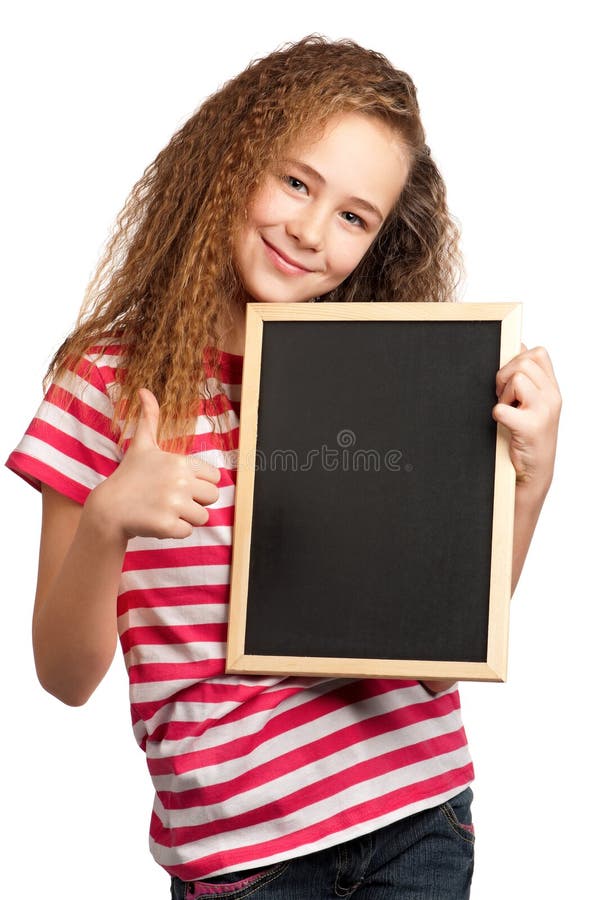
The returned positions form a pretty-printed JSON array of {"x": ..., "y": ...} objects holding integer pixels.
[{"x": 353, "y": 201}]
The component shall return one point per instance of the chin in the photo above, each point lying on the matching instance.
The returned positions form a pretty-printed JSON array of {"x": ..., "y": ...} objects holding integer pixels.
[
  {"x": 270, "y": 296},
  {"x": 286, "y": 300}
]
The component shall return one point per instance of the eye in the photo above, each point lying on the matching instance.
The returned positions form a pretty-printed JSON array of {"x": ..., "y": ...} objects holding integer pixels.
[
  {"x": 352, "y": 219},
  {"x": 294, "y": 183}
]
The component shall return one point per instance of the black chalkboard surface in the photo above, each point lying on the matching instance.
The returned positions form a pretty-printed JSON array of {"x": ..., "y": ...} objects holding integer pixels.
[{"x": 375, "y": 494}]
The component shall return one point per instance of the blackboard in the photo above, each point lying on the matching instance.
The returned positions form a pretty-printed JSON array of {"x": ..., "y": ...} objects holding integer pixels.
[{"x": 375, "y": 494}]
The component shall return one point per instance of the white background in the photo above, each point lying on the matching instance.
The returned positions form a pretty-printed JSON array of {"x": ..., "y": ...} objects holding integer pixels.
[{"x": 92, "y": 91}]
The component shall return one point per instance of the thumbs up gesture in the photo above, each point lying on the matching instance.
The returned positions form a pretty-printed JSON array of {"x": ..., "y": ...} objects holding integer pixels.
[{"x": 154, "y": 493}]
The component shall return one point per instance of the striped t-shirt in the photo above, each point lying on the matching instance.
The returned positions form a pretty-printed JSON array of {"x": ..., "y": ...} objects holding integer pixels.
[{"x": 247, "y": 770}]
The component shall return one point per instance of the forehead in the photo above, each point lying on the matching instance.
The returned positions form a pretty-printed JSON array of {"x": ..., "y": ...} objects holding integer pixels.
[{"x": 356, "y": 155}]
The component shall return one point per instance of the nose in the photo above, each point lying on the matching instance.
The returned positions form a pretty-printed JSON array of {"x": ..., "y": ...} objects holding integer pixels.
[{"x": 307, "y": 227}]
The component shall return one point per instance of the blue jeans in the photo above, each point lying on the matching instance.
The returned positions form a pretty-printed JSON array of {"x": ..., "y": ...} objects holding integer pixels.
[{"x": 427, "y": 856}]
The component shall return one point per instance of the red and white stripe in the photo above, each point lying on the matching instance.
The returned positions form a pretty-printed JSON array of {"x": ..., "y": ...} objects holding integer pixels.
[{"x": 247, "y": 770}]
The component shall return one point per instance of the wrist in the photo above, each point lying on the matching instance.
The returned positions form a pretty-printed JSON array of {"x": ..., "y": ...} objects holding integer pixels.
[
  {"x": 99, "y": 521},
  {"x": 531, "y": 495}
]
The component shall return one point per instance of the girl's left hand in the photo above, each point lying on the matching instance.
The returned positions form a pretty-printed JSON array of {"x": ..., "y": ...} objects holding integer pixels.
[{"x": 529, "y": 405}]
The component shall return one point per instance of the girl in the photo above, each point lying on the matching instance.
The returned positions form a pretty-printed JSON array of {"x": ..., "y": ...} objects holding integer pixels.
[{"x": 306, "y": 177}]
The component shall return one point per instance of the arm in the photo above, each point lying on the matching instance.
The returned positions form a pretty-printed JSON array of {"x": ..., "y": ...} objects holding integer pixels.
[
  {"x": 74, "y": 618},
  {"x": 152, "y": 493},
  {"x": 529, "y": 406}
]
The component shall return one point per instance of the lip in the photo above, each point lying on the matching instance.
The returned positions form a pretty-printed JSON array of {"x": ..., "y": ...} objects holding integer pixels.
[{"x": 283, "y": 262}]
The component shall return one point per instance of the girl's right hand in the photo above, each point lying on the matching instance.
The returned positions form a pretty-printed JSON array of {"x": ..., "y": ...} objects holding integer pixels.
[{"x": 154, "y": 493}]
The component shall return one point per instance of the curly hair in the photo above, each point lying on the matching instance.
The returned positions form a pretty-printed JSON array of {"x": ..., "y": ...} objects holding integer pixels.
[{"x": 166, "y": 283}]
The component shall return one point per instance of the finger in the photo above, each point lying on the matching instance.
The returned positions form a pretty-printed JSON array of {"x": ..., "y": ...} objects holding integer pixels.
[
  {"x": 205, "y": 492},
  {"x": 509, "y": 416},
  {"x": 540, "y": 355},
  {"x": 519, "y": 389},
  {"x": 524, "y": 364},
  {"x": 203, "y": 469},
  {"x": 181, "y": 530},
  {"x": 537, "y": 355},
  {"x": 522, "y": 392},
  {"x": 194, "y": 514},
  {"x": 146, "y": 432}
]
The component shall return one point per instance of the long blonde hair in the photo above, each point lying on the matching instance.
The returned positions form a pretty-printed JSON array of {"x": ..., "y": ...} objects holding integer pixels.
[{"x": 166, "y": 284}]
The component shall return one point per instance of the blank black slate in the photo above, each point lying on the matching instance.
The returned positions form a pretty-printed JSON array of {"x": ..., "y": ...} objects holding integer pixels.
[{"x": 381, "y": 556}]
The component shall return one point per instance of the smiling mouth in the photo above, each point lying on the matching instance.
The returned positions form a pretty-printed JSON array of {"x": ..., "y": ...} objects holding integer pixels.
[{"x": 283, "y": 262}]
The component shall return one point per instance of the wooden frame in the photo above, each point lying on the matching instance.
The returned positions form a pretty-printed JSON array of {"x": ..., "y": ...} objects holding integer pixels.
[{"x": 306, "y": 321}]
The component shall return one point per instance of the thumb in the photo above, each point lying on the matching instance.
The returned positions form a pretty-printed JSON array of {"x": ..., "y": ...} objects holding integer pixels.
[{"x": 146, "y": 432}]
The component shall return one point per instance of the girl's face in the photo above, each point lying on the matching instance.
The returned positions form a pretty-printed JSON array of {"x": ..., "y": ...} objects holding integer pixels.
[{"x": 314, "y": 218}]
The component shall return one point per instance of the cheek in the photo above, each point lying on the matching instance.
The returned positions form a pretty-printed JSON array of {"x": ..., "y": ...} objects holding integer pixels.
[
  {"x": 258, "y": 211},
  {"x": 348, "y": 256},
  {"x": 267, "y": 206}
]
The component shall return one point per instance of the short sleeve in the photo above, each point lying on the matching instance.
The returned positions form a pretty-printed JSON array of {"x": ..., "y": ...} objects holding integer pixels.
[{"x": 71, "y": 444}]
